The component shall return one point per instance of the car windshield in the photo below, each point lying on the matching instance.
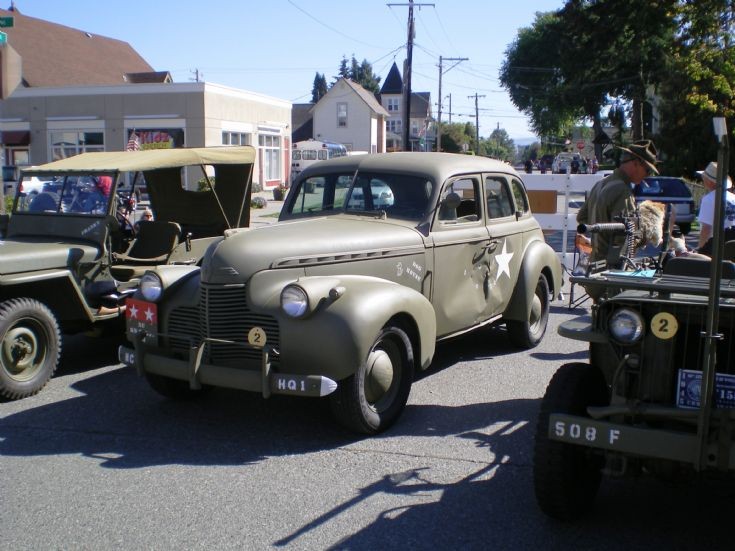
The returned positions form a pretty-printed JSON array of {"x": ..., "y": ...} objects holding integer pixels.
[
  {"x": 663, "y": 187},
  {"x": 64, "y": 195},
  {"x": 399, "y": 196}
]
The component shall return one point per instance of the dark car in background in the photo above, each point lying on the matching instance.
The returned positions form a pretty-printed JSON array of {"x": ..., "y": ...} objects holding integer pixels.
[{"x": 670, "y": 191}]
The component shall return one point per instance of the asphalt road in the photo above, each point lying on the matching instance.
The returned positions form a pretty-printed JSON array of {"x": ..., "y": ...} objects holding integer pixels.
[{"x": 97, "y": 460}]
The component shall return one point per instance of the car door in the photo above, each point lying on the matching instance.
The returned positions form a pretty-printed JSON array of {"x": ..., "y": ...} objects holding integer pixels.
[
  {"x": 461, "y": 263},
  {"x": 505, "y": 247}
]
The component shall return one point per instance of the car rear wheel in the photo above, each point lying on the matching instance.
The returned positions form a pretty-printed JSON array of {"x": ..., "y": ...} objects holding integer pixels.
[
  {"x": 373, "y": 398},
  {"x": 528, "y": 334},
  {"x": 567, "y": 476},
  {"x": 30, "y": 346}
]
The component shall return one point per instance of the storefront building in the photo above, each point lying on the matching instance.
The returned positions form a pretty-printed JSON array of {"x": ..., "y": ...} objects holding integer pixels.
[{"x": 42, "y": 124}]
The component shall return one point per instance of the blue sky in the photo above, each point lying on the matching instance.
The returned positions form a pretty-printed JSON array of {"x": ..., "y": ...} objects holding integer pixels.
[{"x": 275, "y": 47}]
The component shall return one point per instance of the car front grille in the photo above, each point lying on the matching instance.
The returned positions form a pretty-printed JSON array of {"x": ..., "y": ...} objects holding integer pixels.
[
  {"x": 222, "y": 313},
  {"x": 661, "y": 359}
]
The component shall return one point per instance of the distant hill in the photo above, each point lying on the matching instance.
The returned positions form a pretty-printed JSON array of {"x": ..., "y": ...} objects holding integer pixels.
[{"x": 524, "y": 141}]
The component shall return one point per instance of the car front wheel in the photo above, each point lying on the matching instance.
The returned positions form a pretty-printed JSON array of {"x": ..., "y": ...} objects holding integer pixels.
[
  {"x": 30, "y": 344},
  {"x": 528, "y": 333},
  {"x": 567, "y": 476},
  {"x": 373, "y": 398}
]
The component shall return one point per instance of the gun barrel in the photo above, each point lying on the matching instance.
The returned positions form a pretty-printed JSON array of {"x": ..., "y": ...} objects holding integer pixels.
[{"x": 610, "y": 227}]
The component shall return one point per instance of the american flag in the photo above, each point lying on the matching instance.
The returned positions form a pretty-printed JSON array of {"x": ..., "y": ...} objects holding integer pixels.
[{"x": 133, "y": 143}]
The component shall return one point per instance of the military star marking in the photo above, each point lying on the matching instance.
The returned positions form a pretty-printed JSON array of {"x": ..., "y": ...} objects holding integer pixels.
[
  {"x": 503, "y": 260},
  {"x": 133, "y": 312}
]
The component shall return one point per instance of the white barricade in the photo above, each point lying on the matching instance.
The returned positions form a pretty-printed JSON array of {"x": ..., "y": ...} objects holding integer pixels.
[{"x": 558, "y": 211}]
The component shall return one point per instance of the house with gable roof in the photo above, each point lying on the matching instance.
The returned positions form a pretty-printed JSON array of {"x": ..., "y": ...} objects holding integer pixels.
[
  {"x": 422, "y": 131},
  {"x": 350, "y": 114},
  {"x": 64, "y": 91}
]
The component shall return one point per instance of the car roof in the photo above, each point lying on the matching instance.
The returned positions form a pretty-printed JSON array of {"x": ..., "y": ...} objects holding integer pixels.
[
  {"x": 436, "y": 166},
  {"x": 150, "y": 159}
]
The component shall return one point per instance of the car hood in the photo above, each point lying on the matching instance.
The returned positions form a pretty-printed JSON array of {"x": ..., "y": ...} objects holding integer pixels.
[
  {"x": 305, "y": 243},
  {"x": 18, "y": 255}
]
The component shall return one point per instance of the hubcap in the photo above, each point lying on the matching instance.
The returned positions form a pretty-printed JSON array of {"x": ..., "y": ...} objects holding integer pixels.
[
  {"x": 536, "y": 310},
  {"x": 378, "y": 376},
  {"x": 22, "y": 354}
]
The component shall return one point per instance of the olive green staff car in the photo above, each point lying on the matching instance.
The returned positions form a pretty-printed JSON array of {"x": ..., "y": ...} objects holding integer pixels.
[
  {"x": 373, "y": 259},
  {"x": 73, "y": 248}
]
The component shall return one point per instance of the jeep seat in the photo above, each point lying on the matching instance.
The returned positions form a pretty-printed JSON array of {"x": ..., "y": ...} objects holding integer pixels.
[
  {"x": 697, "y": 267},
  {"x": 153, "y": 245}
]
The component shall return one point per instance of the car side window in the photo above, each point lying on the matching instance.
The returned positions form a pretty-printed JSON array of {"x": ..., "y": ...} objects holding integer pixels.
[
  {"x": 520, "y": 196},
  {"x": 459, "y": 201},
  {"x": 497, "y": 195}
]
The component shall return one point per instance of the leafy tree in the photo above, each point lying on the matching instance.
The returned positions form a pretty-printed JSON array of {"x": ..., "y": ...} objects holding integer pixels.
[
  {"x": 700, "y": 84},
  {"x": 361, "y": 73},
  {"x": 319, "y": 89},
  {"x": 499, "y": 146},
  {"x": 455, "y": 137}
]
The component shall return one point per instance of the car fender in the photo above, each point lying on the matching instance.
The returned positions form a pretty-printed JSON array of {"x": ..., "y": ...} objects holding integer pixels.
[
  {"x": 345, "y": 316},
  {"x": 538, "y": 258}
]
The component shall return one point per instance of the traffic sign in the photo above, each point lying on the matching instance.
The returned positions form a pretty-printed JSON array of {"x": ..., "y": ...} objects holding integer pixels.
[
  {"x": 580, "y": 145},
  {"x": 3, "y": 38},
  {"x": 7, "y": 21}
]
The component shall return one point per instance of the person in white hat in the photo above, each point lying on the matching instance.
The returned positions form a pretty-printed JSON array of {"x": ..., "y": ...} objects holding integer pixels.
[{"x": 707, "y": 207}]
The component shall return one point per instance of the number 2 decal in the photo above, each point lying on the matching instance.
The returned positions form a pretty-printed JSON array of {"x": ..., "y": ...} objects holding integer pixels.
[{"x": 664, "y": 325}]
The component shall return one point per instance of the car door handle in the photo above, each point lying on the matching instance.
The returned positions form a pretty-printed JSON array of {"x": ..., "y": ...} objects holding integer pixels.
[{"x": 490, "y": 248}]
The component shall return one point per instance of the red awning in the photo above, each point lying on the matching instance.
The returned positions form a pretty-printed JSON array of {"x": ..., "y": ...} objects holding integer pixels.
[{"x": 16, "y": 137}]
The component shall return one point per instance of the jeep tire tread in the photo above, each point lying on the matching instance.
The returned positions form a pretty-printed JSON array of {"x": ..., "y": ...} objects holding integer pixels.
[
  {"x": 528, "y": 334},
  {"x": 30, "y": 347},
  {"x": 372, "y": 399},
  {"x": 567, "y": 476}
]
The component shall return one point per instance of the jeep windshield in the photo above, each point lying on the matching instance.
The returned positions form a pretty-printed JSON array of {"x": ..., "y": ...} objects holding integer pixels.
[
  {"x": 64, "y": 195},
  {"x": 397, "y": 195}
]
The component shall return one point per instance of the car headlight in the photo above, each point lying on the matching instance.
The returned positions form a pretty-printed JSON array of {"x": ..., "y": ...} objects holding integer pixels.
[
  {"x": 626, "y": 326},
  {"x": 294, "y": 301},
  {"x": 151, "y": 286}
]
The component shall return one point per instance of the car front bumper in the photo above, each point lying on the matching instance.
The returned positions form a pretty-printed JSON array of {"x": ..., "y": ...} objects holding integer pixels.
[{"x": 266, "y": 381}]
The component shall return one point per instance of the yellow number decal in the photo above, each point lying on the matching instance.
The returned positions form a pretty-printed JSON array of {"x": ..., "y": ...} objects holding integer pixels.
[{"x": 664, "y": 325}]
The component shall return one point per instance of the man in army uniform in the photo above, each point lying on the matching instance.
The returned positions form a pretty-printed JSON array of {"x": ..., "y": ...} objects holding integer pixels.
[{"x": 612, "y": 197}]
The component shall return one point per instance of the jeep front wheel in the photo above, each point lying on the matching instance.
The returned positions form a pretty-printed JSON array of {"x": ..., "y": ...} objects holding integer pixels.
[
  {"x": 373, "y": 398},
  {"x": 567, "y": 476},
  {"x": 30, "y": 346},
  {"x": 528, "y": 333}
]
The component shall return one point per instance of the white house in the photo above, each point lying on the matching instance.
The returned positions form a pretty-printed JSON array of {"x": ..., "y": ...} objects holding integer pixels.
[{"x": 349, "y": 114}]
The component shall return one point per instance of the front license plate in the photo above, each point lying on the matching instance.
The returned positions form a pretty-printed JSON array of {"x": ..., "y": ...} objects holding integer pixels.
[
  {"x": 578, "y": 430},
  {"x": 689, "y": 389}
]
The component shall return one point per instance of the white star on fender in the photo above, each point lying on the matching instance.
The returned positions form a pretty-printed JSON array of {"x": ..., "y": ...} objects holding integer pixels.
[
  {"x": 503, "y": 260},
  {"x": 133, "y": 312},
  {"x": 149, "y": 315}
]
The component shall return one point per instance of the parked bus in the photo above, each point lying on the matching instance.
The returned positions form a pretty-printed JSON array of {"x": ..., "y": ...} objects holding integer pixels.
[{"x": 310, "y": 151}]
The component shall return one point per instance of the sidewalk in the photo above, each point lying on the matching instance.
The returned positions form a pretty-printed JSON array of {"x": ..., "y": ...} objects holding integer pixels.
[{"x": 267, "y": 215}]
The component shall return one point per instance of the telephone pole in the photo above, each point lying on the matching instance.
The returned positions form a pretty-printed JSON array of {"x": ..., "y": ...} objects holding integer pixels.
[
  {"x": 439, "y": 111},
  {"x": 477, "y": 124},
  {"x": 407, "y": 74}
]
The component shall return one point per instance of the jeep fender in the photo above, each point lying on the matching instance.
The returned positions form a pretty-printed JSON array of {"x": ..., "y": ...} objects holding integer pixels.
[
  {"x": 345, "y": 315},
  {"x": 538, "y": 258}
]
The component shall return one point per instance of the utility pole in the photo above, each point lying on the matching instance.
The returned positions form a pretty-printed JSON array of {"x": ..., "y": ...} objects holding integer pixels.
[
  {"x": 450, "y": 108},
  {"x": 197, "y": 75},
  {"x": 407, "y": 73},
  {"x": 477, "y": 124},
  {"x": 439, "y": 112}
]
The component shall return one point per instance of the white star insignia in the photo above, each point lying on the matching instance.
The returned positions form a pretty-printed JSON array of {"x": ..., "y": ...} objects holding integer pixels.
[
  {"x": 503, "y": 260},
  {"x": 149, "y": 315},
  {"x": 133, "y": 312}
]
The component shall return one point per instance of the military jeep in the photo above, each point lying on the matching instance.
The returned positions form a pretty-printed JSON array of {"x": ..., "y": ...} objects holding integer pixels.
[
  {"x": 658, "y": 394},
  {"x": 74, "y": 246},
  {"x": 373, "y": 259}
]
